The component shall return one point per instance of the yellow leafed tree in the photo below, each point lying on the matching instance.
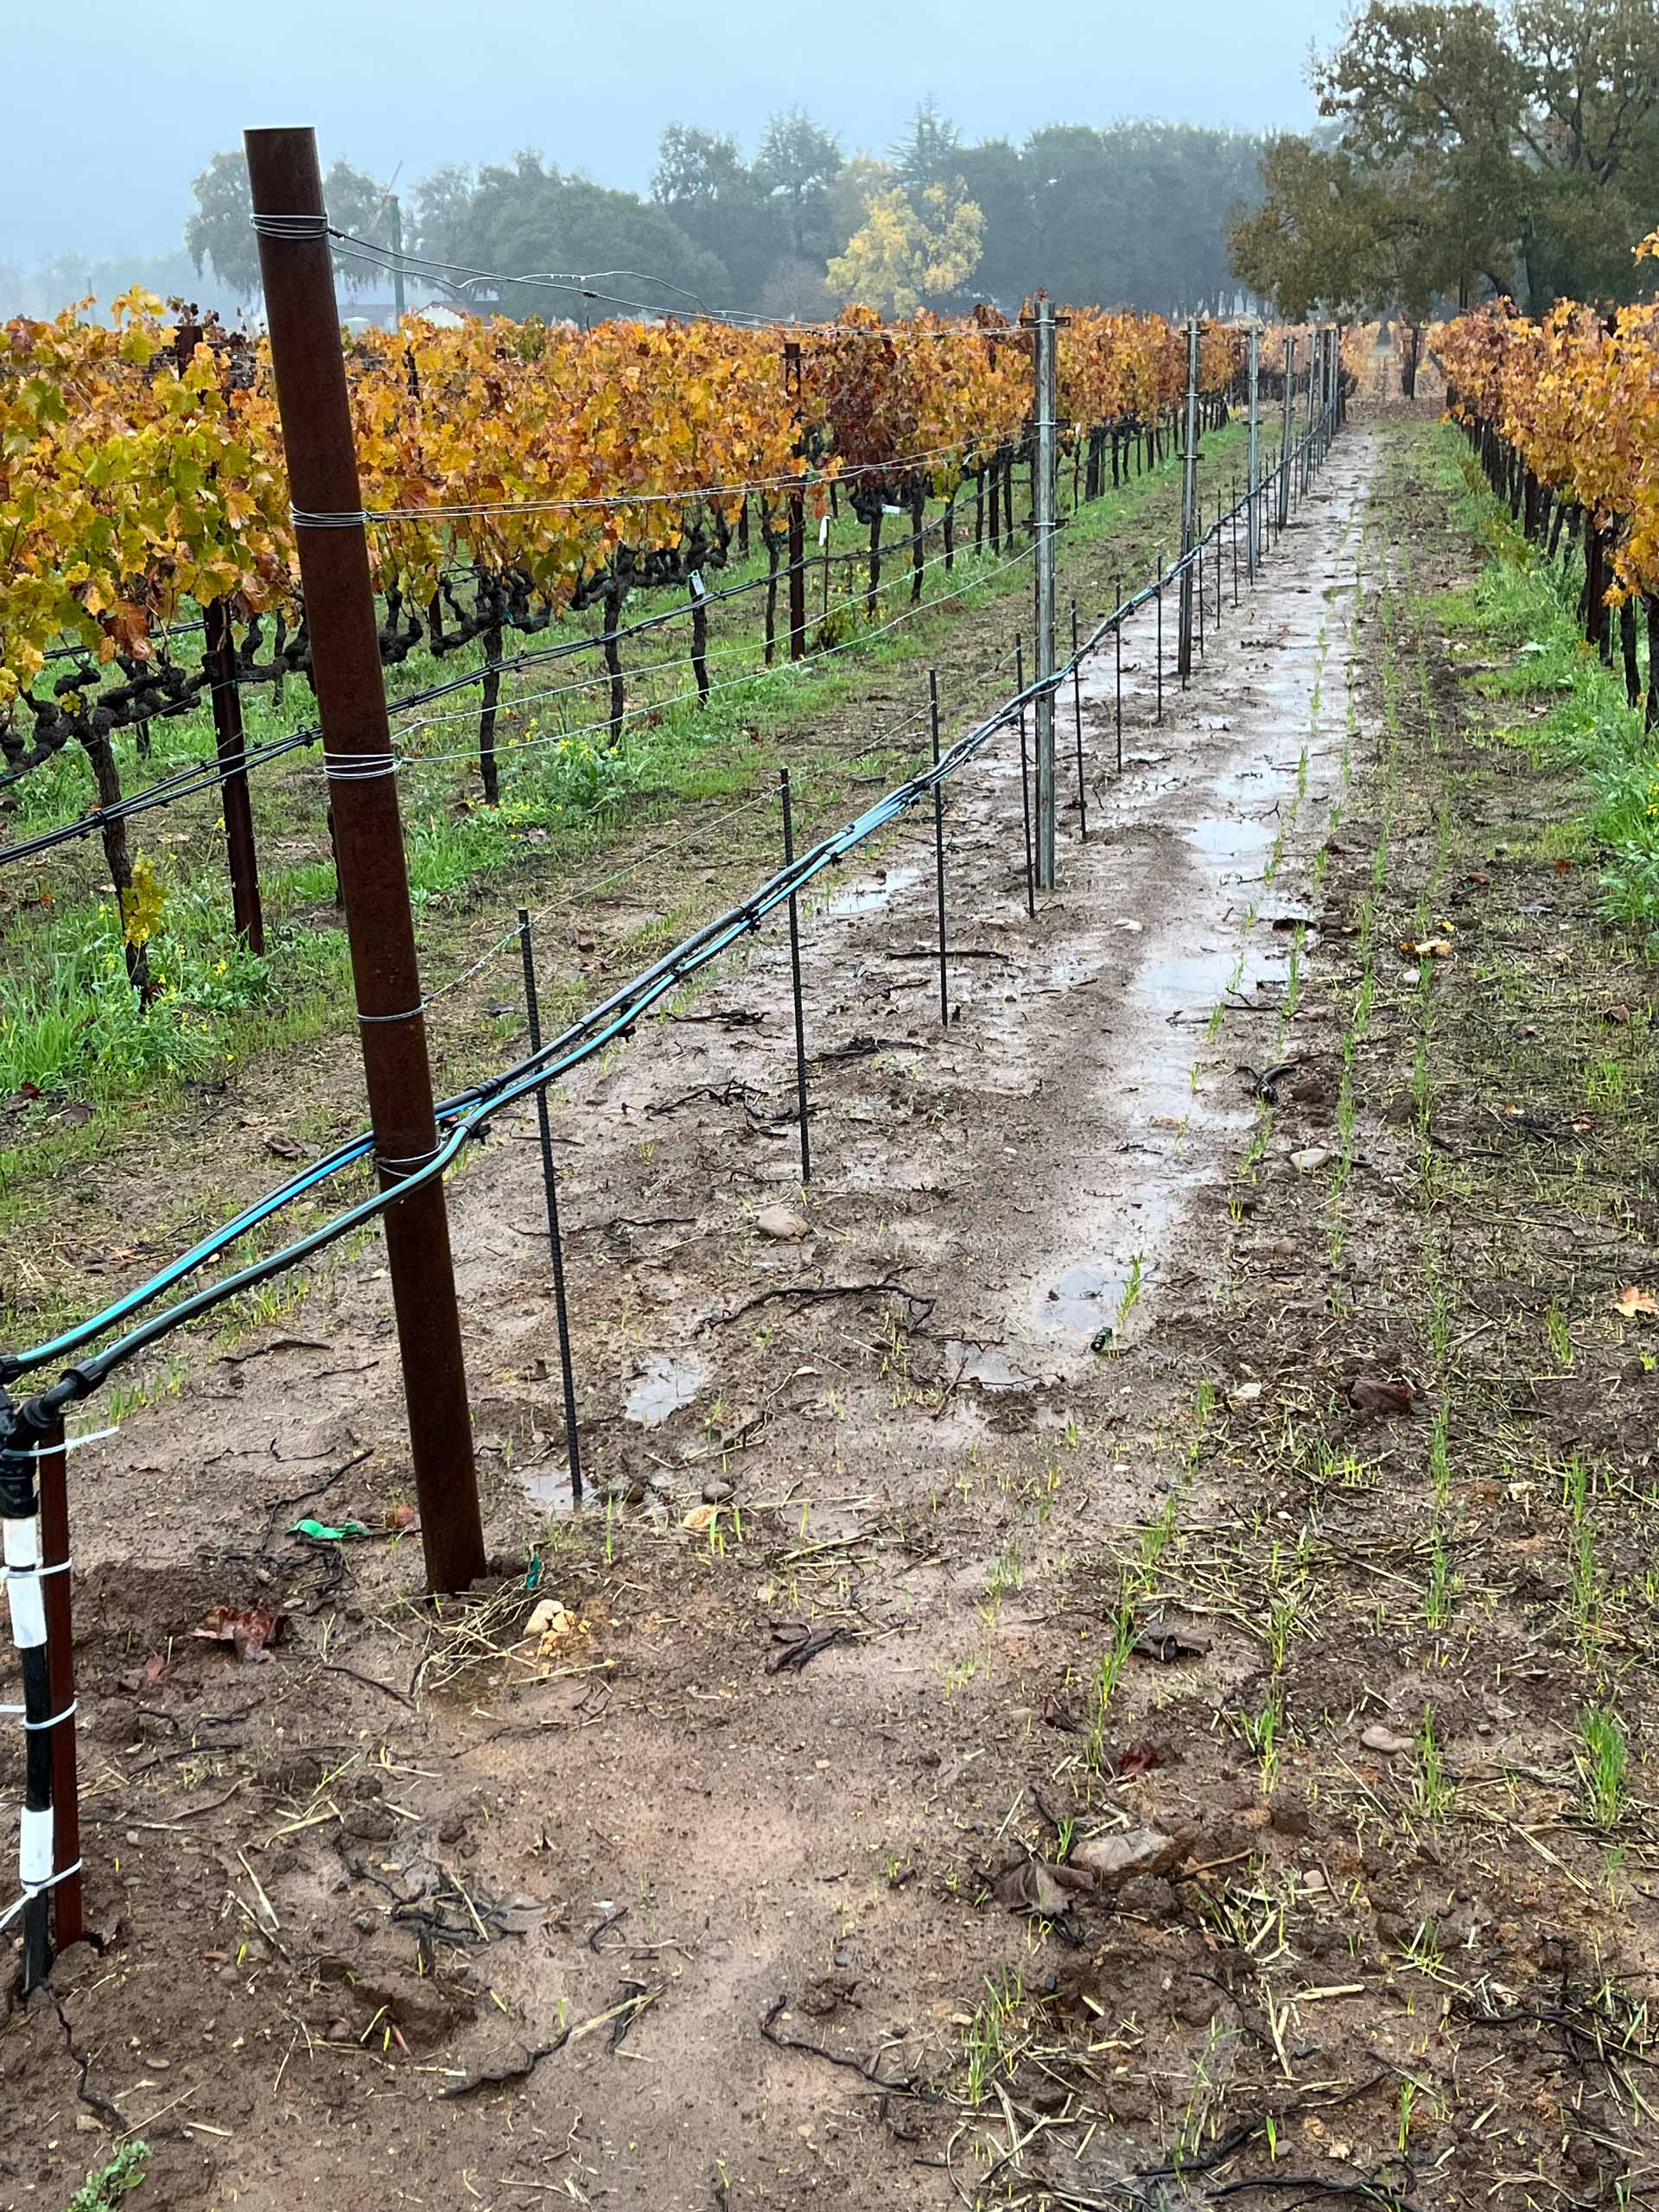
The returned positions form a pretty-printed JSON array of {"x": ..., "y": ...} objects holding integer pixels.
[{"x": 907, "y": 250}]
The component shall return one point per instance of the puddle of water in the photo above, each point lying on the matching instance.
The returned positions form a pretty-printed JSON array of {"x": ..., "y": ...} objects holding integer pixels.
[
  {"x": 1192, "y": 983},
  {"x": 667, "y": 1384},
  {"x": 870, "y": 895},
  {"x": 550, "y": 1488},
  {"x": 1236, "y": 845},
  {"x": 992, "y": 1370},
  {"x": 1085, "y": 1300}
]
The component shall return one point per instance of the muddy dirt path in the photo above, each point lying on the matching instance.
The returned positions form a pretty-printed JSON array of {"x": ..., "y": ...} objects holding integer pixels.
[{"x": 860, "y": 1452}]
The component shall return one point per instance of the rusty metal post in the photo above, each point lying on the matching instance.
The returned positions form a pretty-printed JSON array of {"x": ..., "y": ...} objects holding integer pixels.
[
  {"x": 67, "y": 1925},
  {"x": 317, "y": 423},
  {"x": 220, "y": 657}
]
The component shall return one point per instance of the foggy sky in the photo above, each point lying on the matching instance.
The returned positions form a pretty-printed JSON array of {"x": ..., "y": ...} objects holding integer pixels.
[{"x": 115, "y": 107}]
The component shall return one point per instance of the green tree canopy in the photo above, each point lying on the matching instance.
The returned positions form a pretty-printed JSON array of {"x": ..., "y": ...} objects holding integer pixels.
[
  {"x": 525, "y": 220},
  {"x": 796, "y": 164},
  {"x": 1513, "y": 149}
]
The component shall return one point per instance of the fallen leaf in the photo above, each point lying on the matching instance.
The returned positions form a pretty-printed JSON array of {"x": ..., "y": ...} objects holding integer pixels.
[
  {"x": 795, "y": 1645},
  {"x": 1055, "y": 1715},
  {"x": 284, "y": 1148},
  {"x": 1244, "y": 1393},
  {"x": 701, "y": 1519},
  {"x": 1633, "y": 1300},
  {"x": 146, "y": 1676},
  {"x": 251, "y": 1634},
  {"x": 1429, "y": 948},
  {"x": 1138, "y": 1757},
  {"x": 1039, "y": 1887}
]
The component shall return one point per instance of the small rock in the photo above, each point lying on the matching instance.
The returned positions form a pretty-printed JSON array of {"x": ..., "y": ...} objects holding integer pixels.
[
  {"x": 1113, "y": 1859},
  {"x": 1388, "y": 1741},
  {"x": 715, "y": 1492},
  {"x": 780, "y": 1222},
  {"x": 1309, "y": 1160}
]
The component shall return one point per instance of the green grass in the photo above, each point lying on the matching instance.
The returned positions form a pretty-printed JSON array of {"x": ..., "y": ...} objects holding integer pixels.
[{"x": 1520, "y": 613}]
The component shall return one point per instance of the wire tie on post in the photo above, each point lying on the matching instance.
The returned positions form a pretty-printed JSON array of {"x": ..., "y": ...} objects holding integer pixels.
[
  {"x": 27, "y": 1574},
  {"x": 360, "y": 768},
  {"x": 411, "y": 1014},
  {"x": 303, "y": 518},
  {"x": 69, "y": 1444},
  {"x": 69, "y": 1710},
  {"x": 416, "y": 1160},
  {"x": 32, "y": 1890},
  {"x": 301, "y": 227}
]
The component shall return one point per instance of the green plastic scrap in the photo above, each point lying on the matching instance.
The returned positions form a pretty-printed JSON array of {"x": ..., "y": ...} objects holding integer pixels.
[{"x": 321, "y": 1533}]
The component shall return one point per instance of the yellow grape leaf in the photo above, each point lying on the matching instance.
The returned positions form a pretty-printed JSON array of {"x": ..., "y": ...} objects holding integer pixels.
[{"x": 141, "y": 905}]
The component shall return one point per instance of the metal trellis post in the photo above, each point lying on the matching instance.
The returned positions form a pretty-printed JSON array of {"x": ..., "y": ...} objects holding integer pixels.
[
  {"x": 1043, "y": 521},
  {"x": 938, "y": 846},
  {"x": 1253, "y": 548},
  {"x": 1076, "y": 720},
  {"x": 1189, "y": 504},
  {"x": 303, "y": 319},
  {"x": 396, "y": 205},
  {"x": 1284, "y": 435}
]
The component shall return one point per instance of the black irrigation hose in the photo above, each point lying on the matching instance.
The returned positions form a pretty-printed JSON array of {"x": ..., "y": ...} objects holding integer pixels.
[{"x": 467, "y": 1115}]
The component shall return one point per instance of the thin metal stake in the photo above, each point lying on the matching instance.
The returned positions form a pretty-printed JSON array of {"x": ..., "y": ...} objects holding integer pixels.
[
  {"x": 1025, "y": 778},
  {"x": 1158, "y": 595},
  {"x": 939, "y": 847},
  {"x": 1076, "y": 715},
  {"x": 795, "y": 977},
  {"x": 1117, "y": 642},
  {"x": 550, "y": 1188}
]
